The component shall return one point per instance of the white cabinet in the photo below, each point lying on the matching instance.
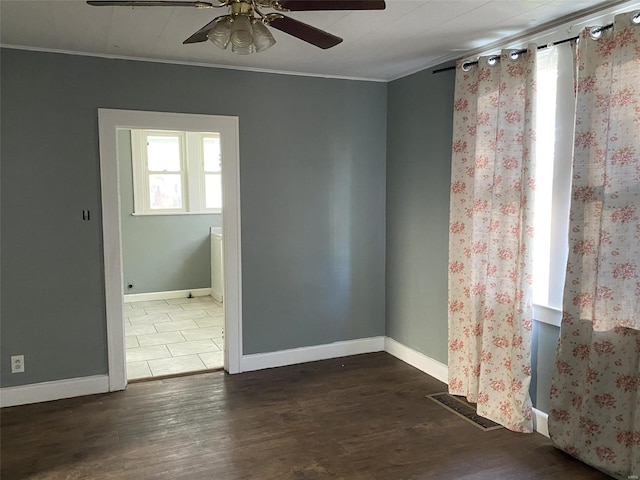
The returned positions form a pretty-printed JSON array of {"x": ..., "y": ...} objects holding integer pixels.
[{"x": 217, "y": 266}]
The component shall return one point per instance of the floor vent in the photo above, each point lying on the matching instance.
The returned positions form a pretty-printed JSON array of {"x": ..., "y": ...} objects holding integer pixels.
[{"x": 464, "y": 409}]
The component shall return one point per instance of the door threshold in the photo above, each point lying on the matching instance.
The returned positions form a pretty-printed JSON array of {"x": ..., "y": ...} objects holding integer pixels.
[{"x": 175, "y": 375}]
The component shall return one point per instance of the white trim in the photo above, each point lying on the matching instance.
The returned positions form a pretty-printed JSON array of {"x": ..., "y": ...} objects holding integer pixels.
[
  {"x": 166, "y": 295},
  {"x": 549, "y": 315},
  {"x": 55, "y": 390},
  {"x": 75, "y": 387},
  {"x": 112, "y": 250},
  {"x": 440, "y": 371},
  {"x": 541, "y": 422},
  {"x": 259, "y": 361},
  {"x": 416, "y": 359},
  {"x": 232, "y": 251},
  {"x": 160, "y": 214},
  {"x": 108, "y": 122},
  {"x": 192, "y": 64}
]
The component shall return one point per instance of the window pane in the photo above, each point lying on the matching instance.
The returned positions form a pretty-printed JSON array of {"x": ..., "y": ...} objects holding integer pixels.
[
  {"x": 163, "y": 153},
  {"x": 213, "y": 189},
  {"x": 545, "y": 156},
  {"x": 211, "y": 149},
  {"x": 165, "y": 191}
]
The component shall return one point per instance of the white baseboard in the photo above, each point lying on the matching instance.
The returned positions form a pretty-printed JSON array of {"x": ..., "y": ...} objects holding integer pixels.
[
  {"x": 47, "y": 391},
  {"x": 541, "y": 422},
  {"x": 259, "y": 361},
  {"x": 440, "y": 371},
  {"x": 75, "y": 387},
  {"x": 168, "y": 295},
  {"x": 416, "y": 359},
  {"x": 217, "y": 296}
]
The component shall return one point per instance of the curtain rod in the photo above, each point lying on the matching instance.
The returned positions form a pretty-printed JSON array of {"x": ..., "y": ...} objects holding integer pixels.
[{"x": 541, "y": 47}]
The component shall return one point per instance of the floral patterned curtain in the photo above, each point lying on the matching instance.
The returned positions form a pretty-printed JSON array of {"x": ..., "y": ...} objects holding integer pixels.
[
  {"x": 491, "y": 235},
  {"x": 595, "y": 407}
]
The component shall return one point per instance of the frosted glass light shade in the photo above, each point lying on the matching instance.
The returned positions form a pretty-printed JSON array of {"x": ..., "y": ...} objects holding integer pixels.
[
  {"x": 241, "y": 32},
  {"x": 262, "y": 38},
  {"x": 243, "y": 50},
  {"x": 245, "y": 34},
  {"x": 220, "y": 34}
]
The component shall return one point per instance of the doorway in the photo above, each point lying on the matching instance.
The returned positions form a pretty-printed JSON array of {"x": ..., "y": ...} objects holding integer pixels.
[
  {"x": 110, "y": 121},
  {"x": 171, "y": 203}
]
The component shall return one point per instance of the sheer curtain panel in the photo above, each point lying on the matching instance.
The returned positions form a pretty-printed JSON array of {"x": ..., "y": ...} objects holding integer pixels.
[
  {"x": 595, "y": 408},
  {"x": 491, "y": 236}
]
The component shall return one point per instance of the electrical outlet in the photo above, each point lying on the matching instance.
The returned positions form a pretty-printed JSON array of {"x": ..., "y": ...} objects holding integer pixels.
[{"x": 17, "y": 364}]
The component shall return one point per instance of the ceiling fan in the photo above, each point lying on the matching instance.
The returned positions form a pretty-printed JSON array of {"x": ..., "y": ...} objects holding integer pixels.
[{"x": 245, "y": 26}]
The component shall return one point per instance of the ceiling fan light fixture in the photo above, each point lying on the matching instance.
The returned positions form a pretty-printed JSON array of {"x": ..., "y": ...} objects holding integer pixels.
[
  {"x": 245, "y": 34},
  {"x": 262, "y": 38},
  {"x": 220, "y": 34},
  {"x": 245, "y": 26}
]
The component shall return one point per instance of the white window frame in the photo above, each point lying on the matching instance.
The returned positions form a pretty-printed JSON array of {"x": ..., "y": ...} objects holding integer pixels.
[
  {"x": 547, "y": 306},
  {"x": 141, "y": 172},
  {"x": 197, "y": 173},
  {"x": 192, "y": 171},
  {"x": 551, "y": 311}
]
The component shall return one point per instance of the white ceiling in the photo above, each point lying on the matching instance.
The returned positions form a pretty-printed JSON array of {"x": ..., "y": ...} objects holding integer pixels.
[{"x": 380, "y": 45}]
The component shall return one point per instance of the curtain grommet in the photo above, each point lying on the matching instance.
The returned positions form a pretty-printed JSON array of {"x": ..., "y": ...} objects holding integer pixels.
[
  {"x": 635, "y": 18},
  {"x": 595, "y": 32},
  {"x": 492, "y": 60},
  {"x": 465, "y": 67}
]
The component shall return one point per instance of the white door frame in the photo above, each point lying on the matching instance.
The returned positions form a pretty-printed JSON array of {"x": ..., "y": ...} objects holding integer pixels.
[{"x": 108, "y": 122}]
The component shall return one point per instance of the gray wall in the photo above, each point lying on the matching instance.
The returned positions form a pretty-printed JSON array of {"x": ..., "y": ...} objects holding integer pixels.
[
  {"x": 164, "y": 252},
  {"x": 312, "y": 175},
  {"x": 543, "y": 352},
  {"x": 419, "y": 133},
  {"x": 313, "y": 207},
  {"x": 420, "y": 116}
]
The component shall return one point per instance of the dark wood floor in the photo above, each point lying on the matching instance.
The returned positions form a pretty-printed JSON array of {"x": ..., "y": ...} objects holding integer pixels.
[{"x": 357, "y": 418}]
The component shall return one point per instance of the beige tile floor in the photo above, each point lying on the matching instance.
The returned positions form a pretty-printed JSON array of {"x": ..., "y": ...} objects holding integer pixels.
[{"x": 165, "y": 337}]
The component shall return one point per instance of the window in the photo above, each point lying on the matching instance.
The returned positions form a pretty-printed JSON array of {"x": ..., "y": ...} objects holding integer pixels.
[
  {"x": 164, "y": 170},
  {"x": 176, "y": 172},
  {"x": 554, "y": 151},
  {"x": 212, "y": 171}
]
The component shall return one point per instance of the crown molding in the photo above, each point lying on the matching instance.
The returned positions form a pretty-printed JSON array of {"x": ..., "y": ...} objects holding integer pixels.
[{"x": 189, "y": 64}]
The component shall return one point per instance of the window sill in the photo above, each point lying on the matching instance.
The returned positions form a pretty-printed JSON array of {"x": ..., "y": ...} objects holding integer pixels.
[
  {"x": 548, "y": 315},
  {"x": 164, "y": 214}
]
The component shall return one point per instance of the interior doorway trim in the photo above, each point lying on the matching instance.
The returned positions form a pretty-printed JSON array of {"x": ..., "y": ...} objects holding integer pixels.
[{"x": 109, "y": 121}]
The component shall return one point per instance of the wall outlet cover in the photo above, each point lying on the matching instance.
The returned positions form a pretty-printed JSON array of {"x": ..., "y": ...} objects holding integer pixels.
[{"x": 17, "y": 364}]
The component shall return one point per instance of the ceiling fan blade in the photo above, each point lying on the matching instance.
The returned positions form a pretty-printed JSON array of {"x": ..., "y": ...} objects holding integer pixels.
[
  {"x": 305, "y": 32},
  {"x": 150, "y": 3},
  {"x": 201, "y": 35},
  {"x": 307, "y": 5}
]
